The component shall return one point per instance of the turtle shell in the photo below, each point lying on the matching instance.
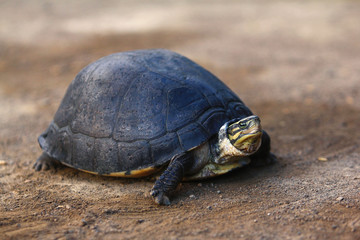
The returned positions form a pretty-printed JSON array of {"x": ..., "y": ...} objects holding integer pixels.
[{"x": 129, "y": 113}]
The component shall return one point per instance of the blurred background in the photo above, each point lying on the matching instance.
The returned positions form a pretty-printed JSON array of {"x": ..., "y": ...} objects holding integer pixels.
[
  {"x": 294, "y": 63},
  {"x": 288, "y": 50}
]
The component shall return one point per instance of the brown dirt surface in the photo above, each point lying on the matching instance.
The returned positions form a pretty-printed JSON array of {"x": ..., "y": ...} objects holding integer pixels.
[{"x": 294, "y": 63}]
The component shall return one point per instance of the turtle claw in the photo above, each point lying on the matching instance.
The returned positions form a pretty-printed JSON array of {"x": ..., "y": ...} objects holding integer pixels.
[
  {"x": 159, "y": 197},
  {"x": 40, "y": 166},
  {"x": 271, "y": 158},
  {"x": 44, "y": 163}
]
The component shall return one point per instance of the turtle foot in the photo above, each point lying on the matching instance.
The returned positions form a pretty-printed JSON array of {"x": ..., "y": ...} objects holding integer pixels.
[
  {"x": 44, "y": 162},
  {"x": 261, "y": 161},
  {"x": 160, "y": 197},
  {"x": 271, "y": 158}
]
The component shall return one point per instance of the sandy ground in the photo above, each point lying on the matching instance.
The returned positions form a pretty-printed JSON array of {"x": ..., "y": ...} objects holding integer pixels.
[{"x": 296, "y": 64}]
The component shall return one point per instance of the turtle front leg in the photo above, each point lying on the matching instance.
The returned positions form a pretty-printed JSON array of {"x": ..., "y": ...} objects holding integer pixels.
[
  {"x": 45, "y": 162},
  {"x": 170, "y": 179},
  {"x": 263, "y": 156}
]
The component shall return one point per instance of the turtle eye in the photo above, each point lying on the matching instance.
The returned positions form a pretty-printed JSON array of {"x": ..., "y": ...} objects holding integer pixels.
[{"x": 242, "y": 125}]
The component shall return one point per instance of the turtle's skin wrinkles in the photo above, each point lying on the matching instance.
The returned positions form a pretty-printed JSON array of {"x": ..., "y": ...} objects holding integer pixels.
[{"x": 132, "y": 113}]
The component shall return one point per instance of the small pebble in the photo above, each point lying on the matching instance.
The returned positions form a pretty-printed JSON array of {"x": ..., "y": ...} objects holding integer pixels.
[
  {"x": 323, "y": 159},
  {"x": 218, "y": 191},
  {"x": 140, "y": 221},
  {"x": 268, "y": 214},
  {"x": 255, "y": 221},
  {"x": 3, "y": 162},
  {"x": 200, "y": 185},
  {"x": 83, "y": 222},
  {"x": 192, "y": 196},
  {"x": 339, "y": 199},
  {"x": 209, "y": 207}
]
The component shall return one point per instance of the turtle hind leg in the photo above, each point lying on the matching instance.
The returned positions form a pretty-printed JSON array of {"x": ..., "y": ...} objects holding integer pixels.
[
  {"x": 45, "y": 162},
  {"x": 170, "y": 179}
]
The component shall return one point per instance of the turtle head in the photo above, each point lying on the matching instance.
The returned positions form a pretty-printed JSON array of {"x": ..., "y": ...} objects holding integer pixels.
[{"x": 245, "y": 134}]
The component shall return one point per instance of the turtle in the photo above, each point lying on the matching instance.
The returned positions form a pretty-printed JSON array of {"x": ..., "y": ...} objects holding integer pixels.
[{"x": 152, "y": 111}]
